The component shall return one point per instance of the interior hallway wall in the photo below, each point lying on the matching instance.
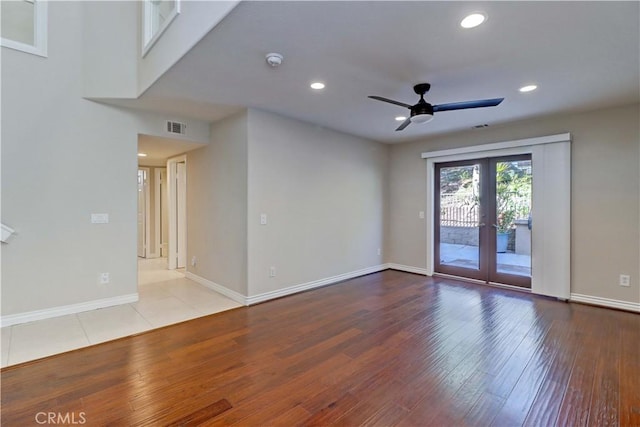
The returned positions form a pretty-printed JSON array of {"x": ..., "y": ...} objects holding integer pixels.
[
  {"x": 324, "y": 194},
  {"x": 217, "y": 205}
]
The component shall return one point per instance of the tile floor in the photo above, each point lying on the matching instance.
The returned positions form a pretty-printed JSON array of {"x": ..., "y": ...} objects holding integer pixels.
[{"x": 166, "y": 297}]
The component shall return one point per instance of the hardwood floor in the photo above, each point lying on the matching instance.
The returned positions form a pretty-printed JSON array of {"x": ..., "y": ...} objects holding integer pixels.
[{"x": 386, "y": 349}]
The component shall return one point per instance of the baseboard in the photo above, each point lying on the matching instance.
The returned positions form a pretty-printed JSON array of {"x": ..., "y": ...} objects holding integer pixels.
[
  {"x": 313, "y": 284},
  {"x": 47, "y": 313},
  {"x": 606, "y": 302},
  {"x": 236, "y": 296},
  {"x": 279, "y": 293},
  {"x": 408, "y": 269}
]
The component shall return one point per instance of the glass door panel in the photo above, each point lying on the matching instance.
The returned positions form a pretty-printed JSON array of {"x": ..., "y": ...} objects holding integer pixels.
[
  {"x": 511, "y": 208},
  {"x": 458, "y": 219}
]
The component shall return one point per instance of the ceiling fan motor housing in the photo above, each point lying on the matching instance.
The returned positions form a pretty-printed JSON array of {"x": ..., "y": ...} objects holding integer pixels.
[{"x": 422, "y": 112}]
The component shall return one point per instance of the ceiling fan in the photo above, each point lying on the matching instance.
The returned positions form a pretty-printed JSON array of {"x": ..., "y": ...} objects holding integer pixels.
[{"x": 422, "y": 112}]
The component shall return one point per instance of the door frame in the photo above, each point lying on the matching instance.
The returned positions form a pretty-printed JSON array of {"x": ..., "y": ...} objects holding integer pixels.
[
  {"x": 157, "y": 184},
  {"x": 551, "y": 205},
  {"x": 173, "y": 210},
  {"x": 147, "y": 210}
]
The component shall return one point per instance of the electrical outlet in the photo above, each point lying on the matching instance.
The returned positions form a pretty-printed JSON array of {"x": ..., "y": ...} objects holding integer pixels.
[
  {"x": 263, "y": 219},
  {"x": 103, "y": 278},
  {"x": 421, "y": 214},
  {"x": 194, "y": 261},
  {"x": 625, "y": 280},
  {"x": 99, "y": 218},
  {"x": 379, "y": 251},
  {"x": 272, "y": 272}
]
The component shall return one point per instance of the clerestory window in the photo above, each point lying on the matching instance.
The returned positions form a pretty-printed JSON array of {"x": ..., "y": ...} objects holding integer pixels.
[
  {"x": 156, "y": 17},
  {"x": 24, "y": 26}
]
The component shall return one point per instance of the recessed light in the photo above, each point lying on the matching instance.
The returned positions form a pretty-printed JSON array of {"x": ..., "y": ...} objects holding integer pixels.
[
  {"x": 473, "y": 20},
  {"x": 317, "y": 85},
  {"x": 401, "y": 118},
  {"x": 142, "y": 154},
  {"x": 528, "y": 88}
]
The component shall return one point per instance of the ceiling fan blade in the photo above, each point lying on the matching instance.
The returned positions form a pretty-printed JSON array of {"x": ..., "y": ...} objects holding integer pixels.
[
  {"x": 468, "y": 104},
  {"x": 390, "y": 101},
  {"x": 404, "y": 124}
]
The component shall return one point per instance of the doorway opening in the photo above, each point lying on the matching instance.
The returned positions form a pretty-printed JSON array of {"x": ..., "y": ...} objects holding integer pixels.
[
  {"x": 161, "y": 160},
  {"x": 482, "y": 219}
]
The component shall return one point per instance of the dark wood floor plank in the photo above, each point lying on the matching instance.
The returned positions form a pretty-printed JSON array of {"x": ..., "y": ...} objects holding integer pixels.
[
  {"x": 518, "y": 403},
  {"x": 386, "y": 349},
  {"x": 629, "y": 369}
]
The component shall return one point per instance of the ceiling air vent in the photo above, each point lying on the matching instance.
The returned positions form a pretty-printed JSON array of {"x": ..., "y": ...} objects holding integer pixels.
[{"x": 176, "y": 127}]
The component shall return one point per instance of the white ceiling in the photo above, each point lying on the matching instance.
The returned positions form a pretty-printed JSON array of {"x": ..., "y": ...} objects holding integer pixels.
[
  {"x": 582, "y": 56},
  {"x": 159, "y": 149}
]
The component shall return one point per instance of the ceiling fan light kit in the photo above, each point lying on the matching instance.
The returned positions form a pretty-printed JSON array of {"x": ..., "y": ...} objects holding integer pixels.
[{"x": 422, "y": 112}]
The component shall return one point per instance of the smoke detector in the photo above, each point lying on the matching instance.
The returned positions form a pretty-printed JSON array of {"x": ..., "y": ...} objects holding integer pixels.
[{"x": 274, "y": 59}]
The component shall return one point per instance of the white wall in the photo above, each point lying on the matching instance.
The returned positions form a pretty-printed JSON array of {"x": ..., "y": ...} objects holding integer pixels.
[
  {"x": 110, "y": 49},
  {"x": 63, "y": 158},
  {"x": 605, "y": 195},
  {"x": 113, "y": 63},
  {"x": 196, "y": 19},
  {"x": 324, "y": 193},
  {"x": 217, "y": 205}
]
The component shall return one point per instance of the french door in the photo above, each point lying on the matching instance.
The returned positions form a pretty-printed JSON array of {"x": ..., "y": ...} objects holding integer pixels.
[{"x": 482, "y": 219}]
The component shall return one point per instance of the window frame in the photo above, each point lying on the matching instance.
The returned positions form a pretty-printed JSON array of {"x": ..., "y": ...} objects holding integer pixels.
[
  {"x": 145, "y": 17},
  {"x": 40, "y": 22}
]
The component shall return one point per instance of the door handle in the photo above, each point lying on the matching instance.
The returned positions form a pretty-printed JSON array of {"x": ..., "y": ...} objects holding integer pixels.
[
  {"x": 482, "y": 224},
  {"x": 494, "y": 225}
]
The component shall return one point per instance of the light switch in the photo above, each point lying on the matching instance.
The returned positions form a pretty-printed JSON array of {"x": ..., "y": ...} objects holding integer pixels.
[
  {"x": 421, "y": 214},
  {"x": 99, "y": 218},
  {"x": 263, "y": 219}
]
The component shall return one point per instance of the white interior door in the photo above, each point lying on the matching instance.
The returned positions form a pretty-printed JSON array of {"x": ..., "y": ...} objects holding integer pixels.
[
  {"x": 162, "y": 213},
  {"x": 177, "y": 186},
  {"x": 181, "y": 225},
  {"x": 143, "y": 209}
]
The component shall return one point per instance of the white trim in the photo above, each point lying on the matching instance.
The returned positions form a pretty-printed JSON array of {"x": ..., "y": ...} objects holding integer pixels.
[
  {"x": 236, "y": 296},
  {"x": 47, "y": 313},
  {"x": 313, "y": 284},
  {"x": 146, "y": 47},
  {"x": 606, "y": 302},
  {"x": 40, "y": 23},
  {"x": 561, "y": 137},
  {"x": 266, "y": 296},
  {"x": 551, "y": 205},
  {"x": 408, "y": 269},
  {"x": 6, "y": 233}
]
